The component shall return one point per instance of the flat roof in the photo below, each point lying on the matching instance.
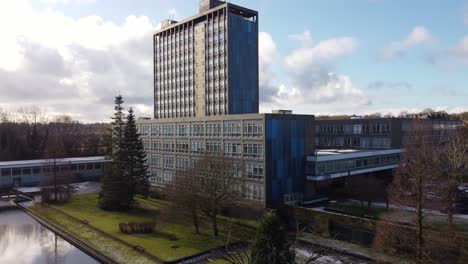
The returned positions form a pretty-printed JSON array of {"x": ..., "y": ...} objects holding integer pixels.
[
  {"x": 247, "y": 11},
  {"x": 339, "y": 154},
  {"x": 42, "y": 162}
]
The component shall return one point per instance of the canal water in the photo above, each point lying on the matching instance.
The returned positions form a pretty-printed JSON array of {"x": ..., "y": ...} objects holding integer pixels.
[{"x": 24, "y": 241}]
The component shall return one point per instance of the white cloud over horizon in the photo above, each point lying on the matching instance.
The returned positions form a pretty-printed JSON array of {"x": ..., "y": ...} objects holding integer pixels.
[
  {"x": 76, "y": 66},
  {"x": 419, "y": 35},
  {"x": 313, "y": 81}
]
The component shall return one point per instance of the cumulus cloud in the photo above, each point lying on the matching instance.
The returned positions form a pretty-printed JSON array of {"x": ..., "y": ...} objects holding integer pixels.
[
  {"x": 268, "y": 56},
  {"x": 303, "y": 37},
  {"x": 381, "y": 85},
  {"x": 313, "y": 82},
  {"x": 322, "y": 52},
  {"x": 74, "y": 66},
  {"x": 419, "y": 35},
  {"x": 460, "y": 51}
]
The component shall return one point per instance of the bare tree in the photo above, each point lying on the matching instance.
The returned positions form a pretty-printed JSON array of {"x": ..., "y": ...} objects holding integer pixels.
[
  {"x": 220, "y": 184},
  {"x": 32, "y": 114},
  {"x": 183, "y": 192},
  {"x": 453, "y": 169},
  {"x": 5, "y": 116},
  {"x": 414, "y": 183}
]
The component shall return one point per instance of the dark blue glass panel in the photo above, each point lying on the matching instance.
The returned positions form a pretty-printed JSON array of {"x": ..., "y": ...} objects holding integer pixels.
[
  {"x": 243, "y": 65},
  {"x": 286, "y": 158}
]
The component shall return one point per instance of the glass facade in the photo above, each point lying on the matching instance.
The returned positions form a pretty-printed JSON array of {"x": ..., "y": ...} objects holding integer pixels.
[
  {"x": 286, "y": 157},
  {"x": 243, "y": 65}
]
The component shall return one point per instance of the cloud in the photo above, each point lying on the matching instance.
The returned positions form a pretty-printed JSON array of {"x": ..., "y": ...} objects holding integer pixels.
[
  {"x": 312, "y": 81},
  {"x": 54, "y": 2},
  {"x": 74, "y": 66},
  {"x": 268, "y": 56},
  {"x": 322, "y": 52},
  {"x": 381, "y": 85},
  {"x": 173, "y": 14},
  {"x": 303, "y": 37},
  {"x": 419, "y": 35},
  {"x": 460, "y": 51}
]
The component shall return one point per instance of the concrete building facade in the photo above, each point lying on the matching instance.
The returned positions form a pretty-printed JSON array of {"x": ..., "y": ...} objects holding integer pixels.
[
  {"x": 207, "y": 65},
  {"x": 273, "y": 148}
]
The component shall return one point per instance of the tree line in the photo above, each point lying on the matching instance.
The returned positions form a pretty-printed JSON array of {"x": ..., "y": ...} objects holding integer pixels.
[
  {"x": 427, "y": 113},
  {"x": 31, "y": 134}
]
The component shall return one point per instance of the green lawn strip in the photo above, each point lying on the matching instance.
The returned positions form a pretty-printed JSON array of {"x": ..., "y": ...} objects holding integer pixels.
[
  {"x": 161, "y": 243},
  {"x": 159, "y": 203},
  {"x": 115, "y": 250}
]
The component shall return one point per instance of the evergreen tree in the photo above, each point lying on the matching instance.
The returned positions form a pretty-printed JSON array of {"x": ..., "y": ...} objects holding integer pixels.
[
  {"x": 271, "y": 244},
  {"x": 136, "y": 168},
  {"x": 114, "y": 191}
]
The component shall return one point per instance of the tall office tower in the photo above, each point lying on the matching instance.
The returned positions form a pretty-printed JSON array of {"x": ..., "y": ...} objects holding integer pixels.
[{"x": 207, "y": 65}]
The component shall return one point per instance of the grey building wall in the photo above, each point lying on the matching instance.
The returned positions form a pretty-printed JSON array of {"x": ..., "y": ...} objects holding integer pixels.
[{"x": 273, "y": 148}]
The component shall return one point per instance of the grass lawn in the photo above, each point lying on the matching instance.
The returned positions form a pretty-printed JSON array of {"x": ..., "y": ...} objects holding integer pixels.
[
  {"x": 172, "y": 240},
  {"x": 108, "y": 247}
]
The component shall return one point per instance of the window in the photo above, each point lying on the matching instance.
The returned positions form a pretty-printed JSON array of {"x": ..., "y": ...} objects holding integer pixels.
[
  {"x": 16, "y": 172},
  {"x": 253, "y": 150},
  {"x": 232, "y": 129},
  {"x": 232, "y": 149},
  {"x": 26, "y": 171},
  {"x": 253, "y": 129},
  {"x": 89, "y": 166},
  {"x": 169, "y": 162},
  {"x": 36, "y": 170},
  {"x": 254, "y": 171},
  {"x": 6, "y": 172}
]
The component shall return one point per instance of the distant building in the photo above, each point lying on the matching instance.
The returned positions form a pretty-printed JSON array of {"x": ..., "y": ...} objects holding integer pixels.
[
  {"x": 374, "y": 133},
  {"x": 22, "y": 173}
]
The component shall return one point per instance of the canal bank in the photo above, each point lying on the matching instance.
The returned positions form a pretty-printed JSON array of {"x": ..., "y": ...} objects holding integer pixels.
[
  {"x": 98, "y": 256},
  {"x": 24, "y": 240}
]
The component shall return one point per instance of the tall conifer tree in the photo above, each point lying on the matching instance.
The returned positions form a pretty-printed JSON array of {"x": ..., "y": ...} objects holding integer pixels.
[
  {"x": 136, "y": 167},
  {"x": 114, "y": 191}
]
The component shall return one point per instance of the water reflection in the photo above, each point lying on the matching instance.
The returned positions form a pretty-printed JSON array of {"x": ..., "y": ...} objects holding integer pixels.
[{"x": 23, "y": 240}]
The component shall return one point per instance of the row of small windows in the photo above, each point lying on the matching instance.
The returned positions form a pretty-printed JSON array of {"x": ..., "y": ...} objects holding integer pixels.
[
  {"x": 248, "y": 191},
  {"x": 345, "y": 165},
  {"x": 48, "y": 169},
  {"x": 184, "y": 71},
  {"x": 227, "y": 129},
  {"x": 188, "y": 110},
  {"x": 373, "y": 128},
  {"x": 359, "y": 142},
  {"x": 232, "y": 149},
  {"x": 251, "y": 170}
]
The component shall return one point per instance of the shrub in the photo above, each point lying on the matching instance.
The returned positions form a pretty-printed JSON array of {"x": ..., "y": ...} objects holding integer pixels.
[{"x": 139, "y": 228}]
